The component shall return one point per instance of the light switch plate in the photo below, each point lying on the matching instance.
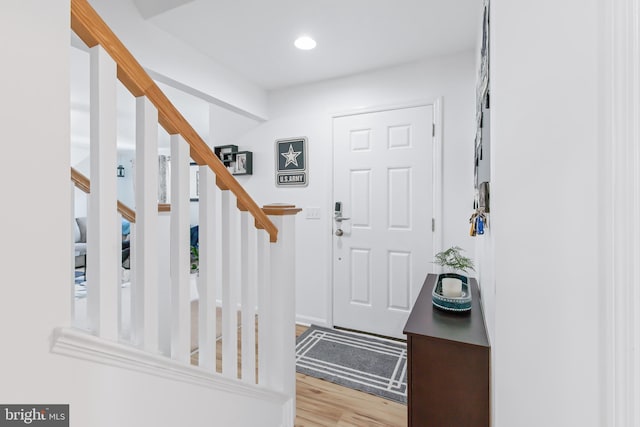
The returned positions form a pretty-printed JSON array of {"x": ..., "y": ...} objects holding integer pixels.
[{"x": 312, "y": 213}]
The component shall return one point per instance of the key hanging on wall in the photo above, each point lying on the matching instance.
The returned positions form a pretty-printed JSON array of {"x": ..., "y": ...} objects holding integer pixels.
[
  {"x": 472, "y": 220},
  {"x": 479, "y": 224}
]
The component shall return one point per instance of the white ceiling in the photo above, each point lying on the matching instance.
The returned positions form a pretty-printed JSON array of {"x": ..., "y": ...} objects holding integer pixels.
[
  {"x": 198, "y": 112},
  {"x": 255, "y": 37}
]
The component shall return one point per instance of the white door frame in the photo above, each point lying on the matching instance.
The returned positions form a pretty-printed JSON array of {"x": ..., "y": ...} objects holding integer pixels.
[
  {"x": 620, "y": 208},
  {"x": 437, "y": 180}
]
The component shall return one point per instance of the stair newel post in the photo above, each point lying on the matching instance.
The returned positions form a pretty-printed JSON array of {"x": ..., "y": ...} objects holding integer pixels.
[
  {"x": 180, "y": 259},
  {"x": 102, "y": 241},
  {"x": 281, "y": 301},
  {"x": 144, "y": 287},
  {"x": 207, "y": 237}
]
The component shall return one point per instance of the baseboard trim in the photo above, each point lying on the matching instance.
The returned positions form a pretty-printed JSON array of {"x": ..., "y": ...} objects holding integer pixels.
[
  {"x": 289, "y": 413},
  {"x": 308, "y": 320},
  {"x": 75, "y": 343}
]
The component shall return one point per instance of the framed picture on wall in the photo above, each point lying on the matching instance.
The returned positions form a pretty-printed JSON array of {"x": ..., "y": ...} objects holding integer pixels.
[
  {"x": 291, "y": 162},
  {"x": 243, "y": 163}
]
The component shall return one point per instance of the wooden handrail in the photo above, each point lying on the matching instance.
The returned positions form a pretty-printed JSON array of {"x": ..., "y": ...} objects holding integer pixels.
[
  {"x": 82, "y": 183},
  {"x": 127, "y": 213},
  {"x": 88, "y": 25},
  {"x": 280, "y": 209}
]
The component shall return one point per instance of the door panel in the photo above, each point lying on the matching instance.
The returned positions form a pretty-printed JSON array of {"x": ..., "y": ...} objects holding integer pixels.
[
  {"x": 383, "y": 177},
  {"x": 360, "y": 278},
  {"x": 399, "y": 280},
  {"x": 360, "y": 198},
  {"x": 399, "y": 200}
]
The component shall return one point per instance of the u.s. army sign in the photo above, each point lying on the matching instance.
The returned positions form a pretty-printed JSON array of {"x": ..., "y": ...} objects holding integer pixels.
[{"x": 291, "y": 162}]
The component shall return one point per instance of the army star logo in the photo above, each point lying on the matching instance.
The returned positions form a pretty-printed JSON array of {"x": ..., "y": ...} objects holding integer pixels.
[{"x": 291, "y": 156}]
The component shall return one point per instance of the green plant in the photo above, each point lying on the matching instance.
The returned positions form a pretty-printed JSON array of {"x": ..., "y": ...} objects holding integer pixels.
[
  {"x": 195, "y": 258},
  {"x": 454, "y": 260}
]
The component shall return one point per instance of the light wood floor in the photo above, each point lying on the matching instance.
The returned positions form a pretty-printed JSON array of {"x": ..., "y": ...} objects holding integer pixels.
[{"x": 320, "y": 403}]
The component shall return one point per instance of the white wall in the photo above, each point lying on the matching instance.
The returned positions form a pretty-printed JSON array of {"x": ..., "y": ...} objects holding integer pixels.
[
  {"x": 36, "y": 269},
  {"x": 126, "y": 158},
  {"x": 484, "y": 244},
  {"x": 164, "y": 54},
  {"x": 80, "y": 161},
  {"x": 544, "y": 77},
  {"x": 307, "y": 111}
]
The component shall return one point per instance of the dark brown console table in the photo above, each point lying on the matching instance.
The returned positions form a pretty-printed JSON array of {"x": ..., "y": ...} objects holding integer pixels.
[{"x": 448, "y": 358}]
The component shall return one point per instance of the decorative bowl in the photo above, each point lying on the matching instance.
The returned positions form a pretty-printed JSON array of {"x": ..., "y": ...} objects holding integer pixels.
[{"x": 461, "y": 303}]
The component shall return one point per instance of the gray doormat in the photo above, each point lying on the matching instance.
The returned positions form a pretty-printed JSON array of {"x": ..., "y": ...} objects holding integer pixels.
[{"x": 374, "y": 365}]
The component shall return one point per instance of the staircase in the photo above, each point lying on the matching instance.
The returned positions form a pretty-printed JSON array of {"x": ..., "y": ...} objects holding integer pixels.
[{"x": 245, "y": 253}]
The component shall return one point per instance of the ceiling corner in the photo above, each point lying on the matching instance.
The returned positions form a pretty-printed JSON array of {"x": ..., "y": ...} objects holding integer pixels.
[{"x": 150, "y": 8}]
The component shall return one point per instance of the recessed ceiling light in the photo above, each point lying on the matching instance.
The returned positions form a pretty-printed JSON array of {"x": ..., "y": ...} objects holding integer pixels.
[{"x": 305, "y": 43}]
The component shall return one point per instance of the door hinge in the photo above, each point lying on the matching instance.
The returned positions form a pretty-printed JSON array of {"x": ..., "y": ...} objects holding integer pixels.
[
  {"x": 433, "y": 129},
  {"x": 433, "y": 224}
]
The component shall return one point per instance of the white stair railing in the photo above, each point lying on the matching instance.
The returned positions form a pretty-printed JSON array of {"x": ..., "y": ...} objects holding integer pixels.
[{"x": 244, "y": 270}]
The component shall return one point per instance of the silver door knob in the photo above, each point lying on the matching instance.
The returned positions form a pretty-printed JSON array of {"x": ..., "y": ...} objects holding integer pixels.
[{"x": 339, "y": 232}]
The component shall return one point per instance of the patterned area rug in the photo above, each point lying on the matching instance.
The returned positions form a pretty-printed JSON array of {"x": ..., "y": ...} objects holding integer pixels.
[{"x": 374, "y": 365}]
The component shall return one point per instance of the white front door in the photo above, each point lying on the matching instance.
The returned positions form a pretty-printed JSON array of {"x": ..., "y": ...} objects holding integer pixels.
[{"x": 383, "y": 179}]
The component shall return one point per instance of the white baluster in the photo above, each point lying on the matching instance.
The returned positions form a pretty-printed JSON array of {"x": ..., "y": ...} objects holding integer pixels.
[
  {"x": 102, "y": 242},
  {"x": 281, "y": 303},
  {"x": 164, "y": 281},
  {"x": 247, "y": 258},
  {"x": 73, "y": 253},
  {"x": 254, "y": 280},
  {"x": 132, "y": 284},
  {"x": 180, "y": 265},
  {"x": 265, "y": 323},
  {"x": 119, "y": 285},
  {"x": 229, "y": 305},
  {"x": 144, "y": 288},
  {"x": 207, "y": 271}
]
